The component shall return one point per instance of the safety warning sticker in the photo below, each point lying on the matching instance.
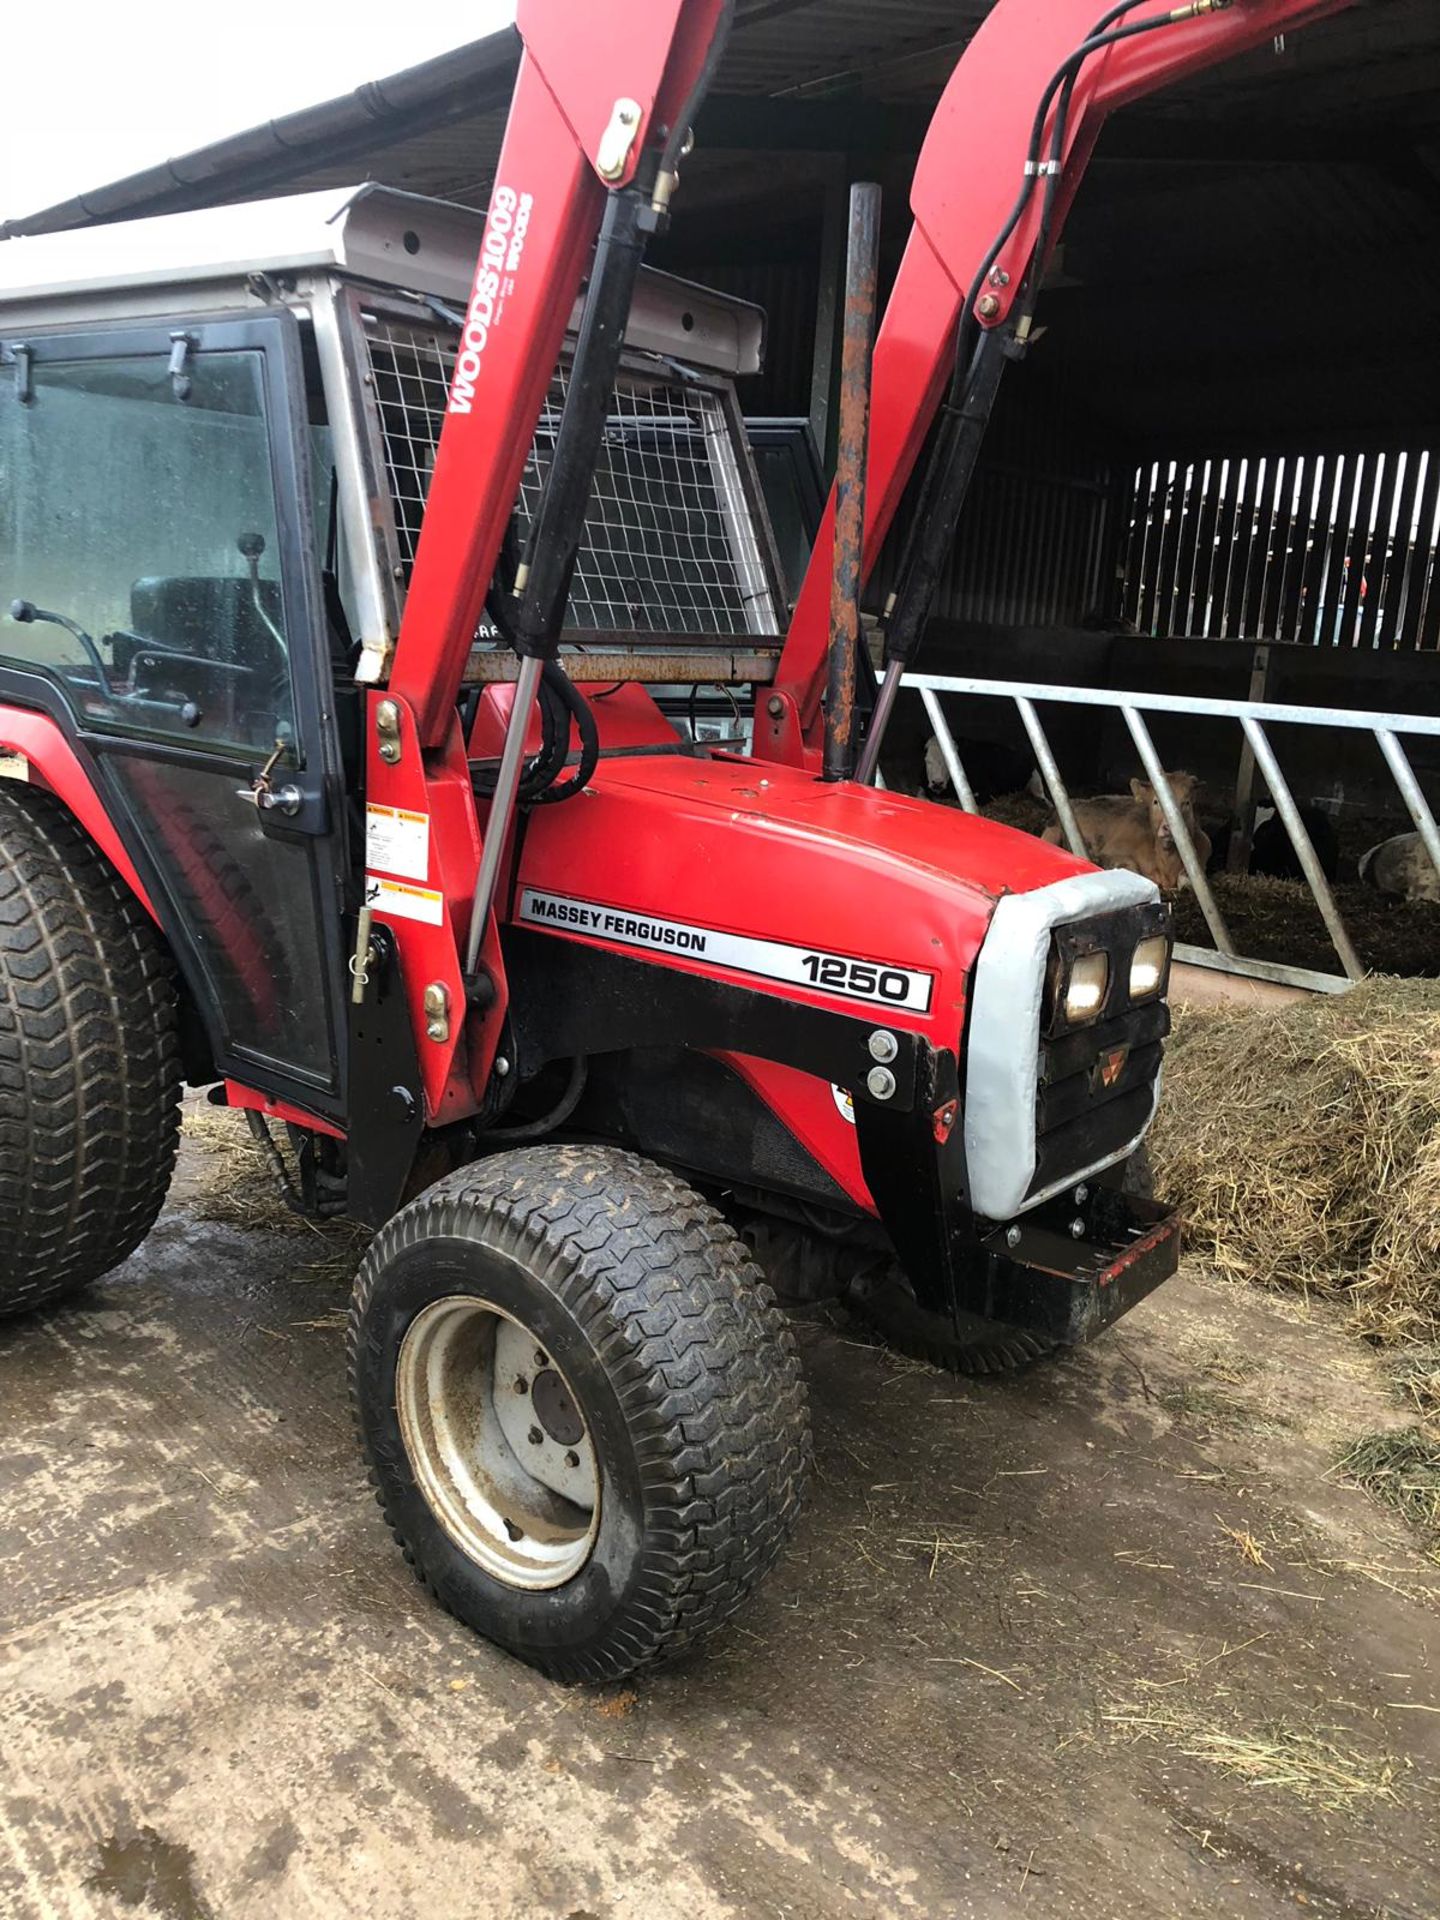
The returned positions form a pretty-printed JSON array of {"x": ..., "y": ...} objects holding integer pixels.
[
  {"x": 404, "y": 903},
  {"x": 13, "y": 766},
  {"x": 398, "y": 842},
  {"x": 832, "y": 973}
]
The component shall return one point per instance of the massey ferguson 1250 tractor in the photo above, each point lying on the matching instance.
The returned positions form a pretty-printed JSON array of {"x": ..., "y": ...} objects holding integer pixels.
[{"x": 342, "y": 582}]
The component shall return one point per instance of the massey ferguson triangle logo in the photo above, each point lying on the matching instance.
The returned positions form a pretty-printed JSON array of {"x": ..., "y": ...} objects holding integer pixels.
[{"x": 1111, "y": 1065}]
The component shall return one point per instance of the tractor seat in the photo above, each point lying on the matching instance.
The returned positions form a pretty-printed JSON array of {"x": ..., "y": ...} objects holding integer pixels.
[{"x": 209, "y": 617}]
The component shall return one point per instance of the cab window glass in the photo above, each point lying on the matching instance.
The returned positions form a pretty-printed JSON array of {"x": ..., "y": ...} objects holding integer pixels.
[{"x": 139, "y": 550}]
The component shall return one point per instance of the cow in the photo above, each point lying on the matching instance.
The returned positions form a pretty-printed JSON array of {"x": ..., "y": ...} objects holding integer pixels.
[
  {"x": 1401, "y": 869},
  {"x": 1272, "y": 853},
  {"x": 1131, "y": 831},
  {"x": 991, "y": 769}
]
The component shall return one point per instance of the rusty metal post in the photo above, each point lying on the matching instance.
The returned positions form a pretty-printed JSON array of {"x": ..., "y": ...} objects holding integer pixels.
[{"x": 861, "y": 274}]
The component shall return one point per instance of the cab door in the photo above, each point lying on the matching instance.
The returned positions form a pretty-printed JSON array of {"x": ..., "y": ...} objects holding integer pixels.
[{"x": 157, "y": 543}]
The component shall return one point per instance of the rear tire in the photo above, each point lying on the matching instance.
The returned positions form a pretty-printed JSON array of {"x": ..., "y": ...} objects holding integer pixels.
[
  {"x": 89, "y": 1059},
  {"x": 581, "y": 1407}
]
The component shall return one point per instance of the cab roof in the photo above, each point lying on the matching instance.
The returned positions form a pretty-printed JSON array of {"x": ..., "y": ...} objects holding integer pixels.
[{"x": 372, "y": 233}]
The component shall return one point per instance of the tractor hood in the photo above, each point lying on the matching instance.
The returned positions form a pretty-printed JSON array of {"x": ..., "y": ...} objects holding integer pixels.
[
  {"x": 843, "y": 895},
  {"x": 932, "y": 932}
]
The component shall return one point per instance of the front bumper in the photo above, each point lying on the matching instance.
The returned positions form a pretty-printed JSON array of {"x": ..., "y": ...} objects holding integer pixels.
[
  {"x": 1064, "y": 1267},
  {"x": 1066, "y": 1288}
]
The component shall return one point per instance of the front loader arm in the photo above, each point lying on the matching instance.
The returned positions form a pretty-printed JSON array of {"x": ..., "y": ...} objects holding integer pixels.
[
  {"x": 596, "y": 86},
  {"x": 966, "y": 180},
  {"x": 602, "y": 89}
]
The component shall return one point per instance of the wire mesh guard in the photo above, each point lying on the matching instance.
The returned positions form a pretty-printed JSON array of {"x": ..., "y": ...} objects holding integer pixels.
[{"x": 668, "y": 545}]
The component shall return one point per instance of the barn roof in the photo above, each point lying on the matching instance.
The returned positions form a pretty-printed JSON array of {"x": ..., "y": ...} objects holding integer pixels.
[
  {"x": 808, "y": 76},
  {"x": 1312, "y": 168}
]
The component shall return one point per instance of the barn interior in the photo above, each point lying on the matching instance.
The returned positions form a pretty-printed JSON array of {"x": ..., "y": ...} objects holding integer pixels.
[{"x": 1218, "y": 470}]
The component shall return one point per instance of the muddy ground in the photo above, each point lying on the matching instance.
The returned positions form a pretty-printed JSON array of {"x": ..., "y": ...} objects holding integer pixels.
[{"x": 1106, "y": 1639}]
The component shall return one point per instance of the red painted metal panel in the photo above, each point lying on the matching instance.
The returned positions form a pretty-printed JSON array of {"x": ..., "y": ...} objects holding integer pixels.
[
  {"x": 544, "y": 214},
  {"x": 245, "y": 1099},
  {"x": 815, "y": 1113},
  {"x": 768, "y": 853},
  {"x": 54, "y": 765},
  {"x": 625, "y": 715},
  {"x": 429, "y": 911},
  {"x": 764, "y": 852}
]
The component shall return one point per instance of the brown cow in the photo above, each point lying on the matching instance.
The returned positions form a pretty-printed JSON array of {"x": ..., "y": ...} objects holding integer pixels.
[{"x": 1121, "y": 831}]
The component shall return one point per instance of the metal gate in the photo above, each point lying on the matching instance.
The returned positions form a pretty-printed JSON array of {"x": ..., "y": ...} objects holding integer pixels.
[{"x": 1252, "y": 719}]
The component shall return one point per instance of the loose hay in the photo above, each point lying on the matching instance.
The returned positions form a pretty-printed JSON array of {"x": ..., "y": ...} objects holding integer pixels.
[
  {"x": 1278, "y": 920},
  {"x": 1402, "y": 1468},
  {"x": 1303, "y": 1145},
  {"x": 236, "y": 1188},
  {"x": 1320, "y": 1765},
  {"x": 1020, "y": 810},
  {"x": 1417, "y": 1380}
]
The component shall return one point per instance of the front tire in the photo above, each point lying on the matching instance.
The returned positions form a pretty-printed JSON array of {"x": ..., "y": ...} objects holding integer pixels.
[
  {"x": 89, "y": 1059},
  {"x": 581, "y": 1407}
]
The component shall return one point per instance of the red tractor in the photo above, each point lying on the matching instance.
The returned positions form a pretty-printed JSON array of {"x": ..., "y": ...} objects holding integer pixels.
[{"x": 346, "y": 580}]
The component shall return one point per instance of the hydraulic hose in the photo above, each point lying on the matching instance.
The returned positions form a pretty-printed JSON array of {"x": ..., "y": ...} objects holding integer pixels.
[
  {"x": 1103, "y": 34},
  {"x": 931, "y": 533},
  {"x": 557, "y": 686},
  {"x": 673, "y": 150},
  {"x": 547, "y": 1123},
  {"x": 560, "y": 703}
]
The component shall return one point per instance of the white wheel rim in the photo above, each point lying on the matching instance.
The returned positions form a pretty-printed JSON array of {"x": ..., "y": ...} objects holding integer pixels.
[{"x": 497, "y": 1443}]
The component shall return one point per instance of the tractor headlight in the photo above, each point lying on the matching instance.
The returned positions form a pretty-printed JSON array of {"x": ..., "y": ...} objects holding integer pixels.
[
  {"x": 1147, "y": 966},
  {"x": 1085, "y": 987}
]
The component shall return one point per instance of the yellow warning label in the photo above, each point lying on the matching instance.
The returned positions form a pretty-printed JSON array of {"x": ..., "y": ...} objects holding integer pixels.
[{"x": 393, "y": 897}]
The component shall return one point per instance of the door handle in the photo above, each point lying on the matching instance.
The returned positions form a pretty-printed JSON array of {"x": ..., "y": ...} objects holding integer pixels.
[{"x": 268, "y": 799}]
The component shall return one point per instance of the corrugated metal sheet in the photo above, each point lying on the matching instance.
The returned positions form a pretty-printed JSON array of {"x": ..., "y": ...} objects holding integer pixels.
[
  {"x": 1256, "y": 268},
  {"x": 810, "y": 45},
  {"x": 1038, "y": 523},
  {"x": 787, "y": 290},
  {"x": 1242, "y": 307}
]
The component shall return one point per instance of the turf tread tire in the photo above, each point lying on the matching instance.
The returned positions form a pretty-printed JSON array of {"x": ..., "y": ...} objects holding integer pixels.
[
  {"x": 699, "y": 1355},
  {"x": 89, "y": 1058}
]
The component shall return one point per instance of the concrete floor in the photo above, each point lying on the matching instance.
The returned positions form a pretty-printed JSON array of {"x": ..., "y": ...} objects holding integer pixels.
[{"x": 1011, "y": 1666}]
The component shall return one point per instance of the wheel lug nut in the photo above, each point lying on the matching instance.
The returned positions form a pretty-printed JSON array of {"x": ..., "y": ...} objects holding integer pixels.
[
  {"x": 522, "y": 1385},
  {"x": 572, "y": 1459},
  {"x": 540, "y": 1360},
  {"x": 535, "y": 1436}
]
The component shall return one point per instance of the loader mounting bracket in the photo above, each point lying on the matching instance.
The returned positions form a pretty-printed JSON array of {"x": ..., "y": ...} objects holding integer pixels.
[{"x": 387, "y": 1101}]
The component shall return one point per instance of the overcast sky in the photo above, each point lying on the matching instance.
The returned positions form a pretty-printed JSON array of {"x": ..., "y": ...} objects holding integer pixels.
[{"x": 93, "y": 92}]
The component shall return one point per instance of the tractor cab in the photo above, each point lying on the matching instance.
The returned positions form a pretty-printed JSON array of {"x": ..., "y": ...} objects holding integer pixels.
[{"x": 217, "y": 433}]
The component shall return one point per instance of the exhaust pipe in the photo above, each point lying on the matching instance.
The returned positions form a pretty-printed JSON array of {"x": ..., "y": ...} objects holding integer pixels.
[{"x": 862, "y": 266}]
